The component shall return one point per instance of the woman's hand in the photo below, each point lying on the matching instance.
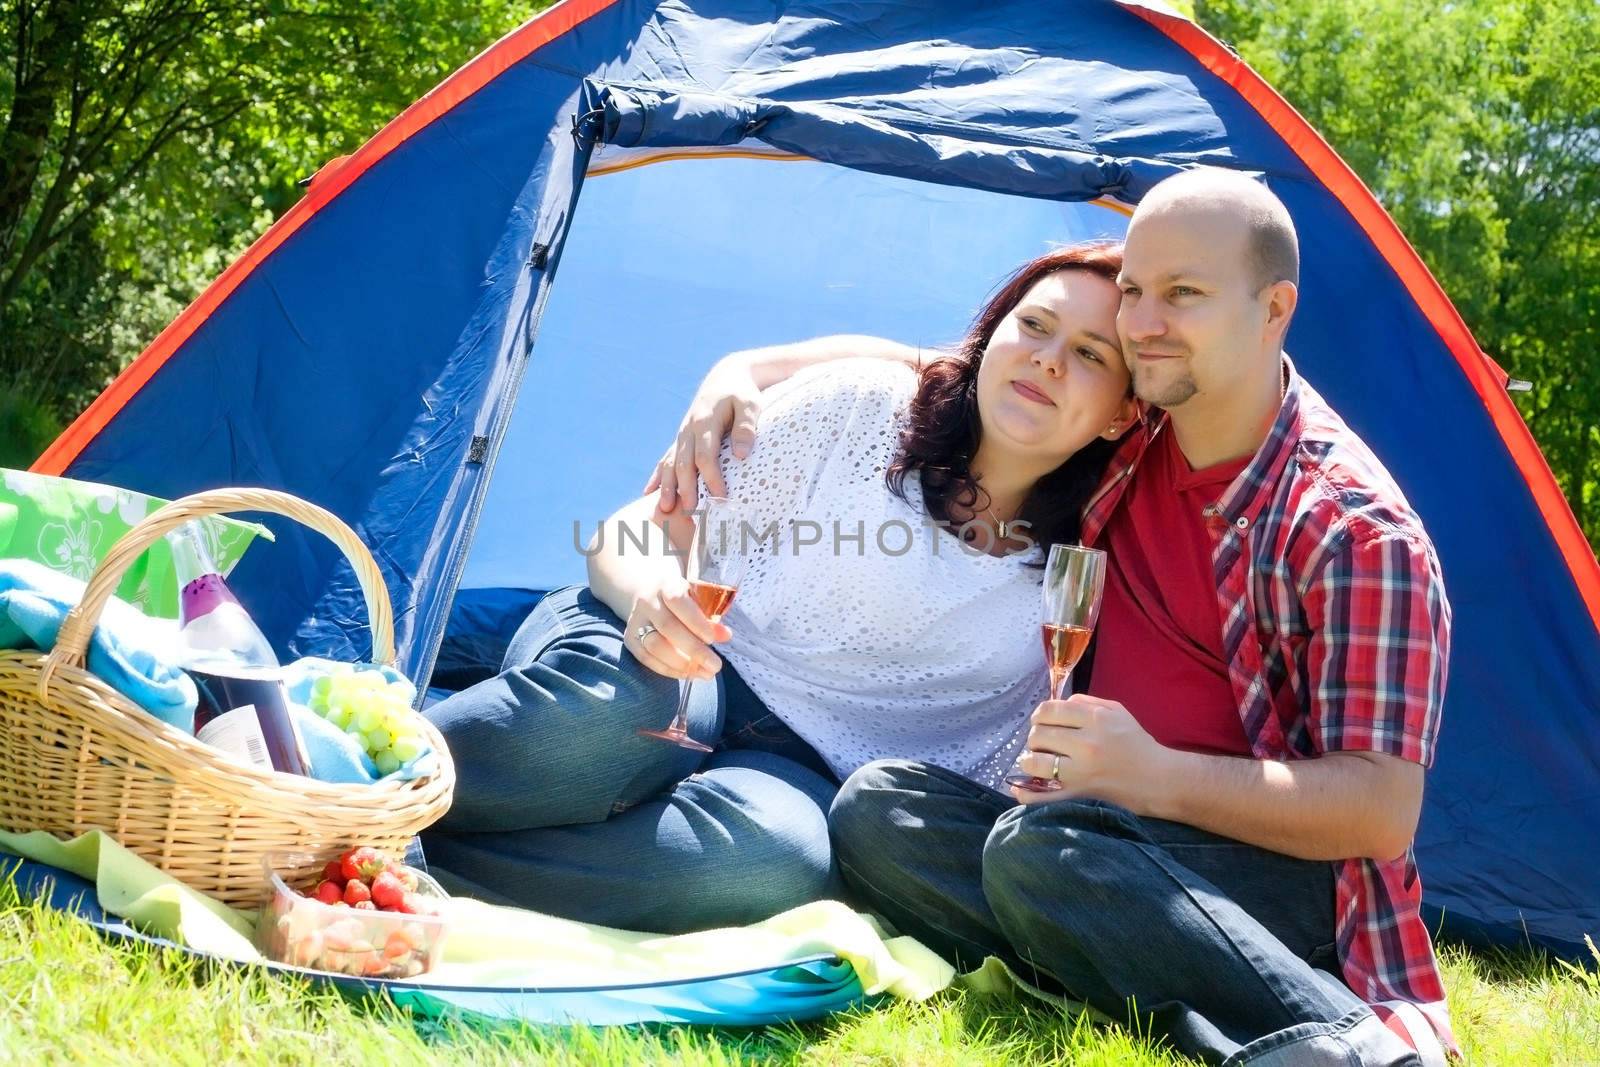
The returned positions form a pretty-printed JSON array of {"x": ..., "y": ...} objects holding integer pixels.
[
  {"x": 678, "y": 636},
  {"x": 728, "y": 399}
]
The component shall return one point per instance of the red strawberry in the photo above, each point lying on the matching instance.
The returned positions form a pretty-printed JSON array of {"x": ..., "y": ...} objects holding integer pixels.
[
  {"x": 329, "y": 891},
  {"x": 387, "y": 891},
  {"x": 364, "y": 863},
  {"x": 356, "y": 891},
  {"x": 365, "y": 905},
  {"x": 334, "y": 872},
  {"x": 417, "y": 904}
]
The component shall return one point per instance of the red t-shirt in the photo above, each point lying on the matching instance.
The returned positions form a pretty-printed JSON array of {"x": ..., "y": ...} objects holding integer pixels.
[{"x": 1159, "y": 641}]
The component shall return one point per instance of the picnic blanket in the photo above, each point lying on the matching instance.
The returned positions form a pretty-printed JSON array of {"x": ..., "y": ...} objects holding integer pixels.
[{"x": 512, "y": 964}]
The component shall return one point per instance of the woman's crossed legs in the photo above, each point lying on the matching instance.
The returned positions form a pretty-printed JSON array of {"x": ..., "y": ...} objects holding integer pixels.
[{"x": 562, "y": 807}]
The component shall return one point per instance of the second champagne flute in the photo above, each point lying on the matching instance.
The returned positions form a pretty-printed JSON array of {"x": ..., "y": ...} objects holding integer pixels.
[
  {"x": 714, "y": 567},
  {"x": 1074, "y": 582}
]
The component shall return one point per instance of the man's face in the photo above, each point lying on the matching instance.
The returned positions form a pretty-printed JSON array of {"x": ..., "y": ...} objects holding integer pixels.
[{"x": 1192, "y": 320}]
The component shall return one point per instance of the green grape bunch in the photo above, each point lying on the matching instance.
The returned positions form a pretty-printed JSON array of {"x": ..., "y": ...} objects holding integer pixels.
[{"x": 375, "y": 712}]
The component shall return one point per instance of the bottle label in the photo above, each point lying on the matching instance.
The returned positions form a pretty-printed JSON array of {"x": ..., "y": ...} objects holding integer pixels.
[{"x": 238, "y": 733}]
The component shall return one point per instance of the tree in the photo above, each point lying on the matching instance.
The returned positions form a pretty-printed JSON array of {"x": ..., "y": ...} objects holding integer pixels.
[
  {"x": 146, "y": 141},
  {"x": 1477, "y": 124}
]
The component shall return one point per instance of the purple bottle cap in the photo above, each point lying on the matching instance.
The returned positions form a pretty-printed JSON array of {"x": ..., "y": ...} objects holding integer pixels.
[{"x": 203, "y": 595}]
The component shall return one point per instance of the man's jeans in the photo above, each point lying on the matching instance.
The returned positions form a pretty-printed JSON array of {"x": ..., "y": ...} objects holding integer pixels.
[
  {"x": 560, "y": 805},
  {"x": 1218, "y": 945}
]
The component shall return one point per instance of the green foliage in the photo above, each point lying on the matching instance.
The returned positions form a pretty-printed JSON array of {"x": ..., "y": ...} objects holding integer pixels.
[
  {"x": 1477, "y": 124},
  {"x": 146, "y": 143},
  {"x": 26, "y": 429}
]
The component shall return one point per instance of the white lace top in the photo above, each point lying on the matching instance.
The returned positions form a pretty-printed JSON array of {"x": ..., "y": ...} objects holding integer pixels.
[{"x": 887, "y": 637}]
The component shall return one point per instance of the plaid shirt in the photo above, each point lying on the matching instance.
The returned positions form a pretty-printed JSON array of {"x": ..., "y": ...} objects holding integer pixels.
[{"x": 1336, "y": 631}]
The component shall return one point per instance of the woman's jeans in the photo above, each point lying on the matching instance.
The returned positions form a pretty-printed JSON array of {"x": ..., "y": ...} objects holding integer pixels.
[
  {"x": 1222, "y": 947},
  {"x": 562, "y": 807}
]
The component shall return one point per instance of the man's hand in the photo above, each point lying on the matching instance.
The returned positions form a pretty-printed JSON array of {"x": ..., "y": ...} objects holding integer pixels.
[
  {"x": 1104, "y": 752},
  {"x": 1336, "y": 806},
  {"x": 729, "y": 402},
  {"x": 728, "y": 399}
]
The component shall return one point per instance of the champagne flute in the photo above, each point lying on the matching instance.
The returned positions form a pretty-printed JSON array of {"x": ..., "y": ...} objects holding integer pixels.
[
  {"x": 1074, "y": 581},
  {"x": 714, "y": 567}
]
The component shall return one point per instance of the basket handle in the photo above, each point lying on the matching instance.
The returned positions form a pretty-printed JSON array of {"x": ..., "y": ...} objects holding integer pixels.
[{"x": 72, "y": 642}]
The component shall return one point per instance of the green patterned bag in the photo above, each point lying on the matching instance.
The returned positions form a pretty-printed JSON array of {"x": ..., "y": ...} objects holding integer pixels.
[{"x": 69, "y": 526}]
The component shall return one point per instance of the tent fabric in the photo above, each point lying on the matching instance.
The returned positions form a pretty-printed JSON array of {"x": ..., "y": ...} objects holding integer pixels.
[{"x": 382, "y": 348}]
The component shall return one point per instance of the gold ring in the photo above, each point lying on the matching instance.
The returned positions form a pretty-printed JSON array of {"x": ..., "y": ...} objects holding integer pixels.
[{"x": 1055, "y": 768}]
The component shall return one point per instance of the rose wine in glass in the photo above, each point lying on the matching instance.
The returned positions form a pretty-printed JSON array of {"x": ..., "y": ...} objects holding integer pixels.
[
  {"x": 1063, "y": 647},
  {"x": 713, "y": 599},
  {"x": 714, "y": 566},
  {"x": 1074, "y": 582}
]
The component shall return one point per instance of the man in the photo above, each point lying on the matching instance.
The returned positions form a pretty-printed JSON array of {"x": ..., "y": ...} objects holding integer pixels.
[{"x": 1228, "y": 860}]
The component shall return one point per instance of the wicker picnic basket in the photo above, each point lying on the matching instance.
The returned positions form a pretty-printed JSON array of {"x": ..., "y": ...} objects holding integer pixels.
[{"x": 76, "y": 755}]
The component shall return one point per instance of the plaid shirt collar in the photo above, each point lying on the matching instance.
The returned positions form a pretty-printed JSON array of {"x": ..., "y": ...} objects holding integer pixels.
[{"x": 1245, "y": 498}]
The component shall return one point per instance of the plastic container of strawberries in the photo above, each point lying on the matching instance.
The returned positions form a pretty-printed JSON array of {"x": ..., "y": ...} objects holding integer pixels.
[{"x": 301, "y": 931}]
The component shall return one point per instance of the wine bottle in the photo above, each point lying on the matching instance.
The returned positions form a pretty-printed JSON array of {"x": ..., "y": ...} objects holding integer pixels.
[
  {"x": 244, "y": 704},
  {"x": 211, "y": 621}
]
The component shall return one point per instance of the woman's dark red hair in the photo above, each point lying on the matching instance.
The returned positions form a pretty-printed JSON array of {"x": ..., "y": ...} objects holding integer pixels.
[{"x": 943, "y": 430}]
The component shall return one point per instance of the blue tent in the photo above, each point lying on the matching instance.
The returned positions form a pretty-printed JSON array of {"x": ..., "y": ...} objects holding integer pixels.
[{"x": 478, "y": 331}]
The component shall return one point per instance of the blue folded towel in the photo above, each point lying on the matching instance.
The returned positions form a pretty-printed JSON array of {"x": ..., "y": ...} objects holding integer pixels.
[
  {"x": 335, "y": 755},
  {"x": 133, "y": 654}
]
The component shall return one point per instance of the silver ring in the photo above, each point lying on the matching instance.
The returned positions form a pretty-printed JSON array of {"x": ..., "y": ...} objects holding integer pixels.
[
  {"x": 1055, "y": 769},
  {"x": 644, "y": 631}
]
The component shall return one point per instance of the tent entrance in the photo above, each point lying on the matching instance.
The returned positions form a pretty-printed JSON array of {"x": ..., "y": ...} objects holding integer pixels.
[{"x": 682, "y": 260}]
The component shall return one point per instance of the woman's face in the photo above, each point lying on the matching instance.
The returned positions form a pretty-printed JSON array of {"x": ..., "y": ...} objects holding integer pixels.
[{"x": 1052, "y": 377}]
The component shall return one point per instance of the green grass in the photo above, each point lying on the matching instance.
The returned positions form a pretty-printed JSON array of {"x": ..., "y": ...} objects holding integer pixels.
[{"x": 68, "y": 997}]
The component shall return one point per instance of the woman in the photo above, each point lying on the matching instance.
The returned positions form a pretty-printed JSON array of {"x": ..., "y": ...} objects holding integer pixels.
[{"x": 898, "y": 628}]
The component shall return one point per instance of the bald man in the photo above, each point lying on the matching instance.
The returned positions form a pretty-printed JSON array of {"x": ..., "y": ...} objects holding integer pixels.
[{"x": 1225, "y": 856}]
